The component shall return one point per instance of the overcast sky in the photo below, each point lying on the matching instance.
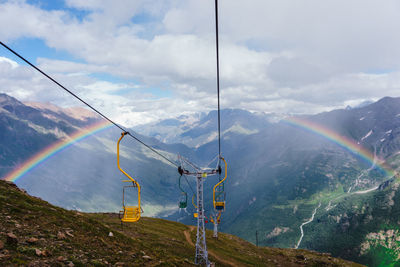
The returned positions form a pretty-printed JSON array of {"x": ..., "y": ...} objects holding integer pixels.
[{"x": 143, "y": 60}]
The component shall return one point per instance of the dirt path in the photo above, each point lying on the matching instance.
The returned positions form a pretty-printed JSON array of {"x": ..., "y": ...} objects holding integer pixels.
[
  {"x": 187, "y": 235},
  {"x": 189, "y": 240}
]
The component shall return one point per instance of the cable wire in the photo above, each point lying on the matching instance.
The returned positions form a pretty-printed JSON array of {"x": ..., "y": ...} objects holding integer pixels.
[
  {"x": 84, "y": 102},
  {"x": 217, "y": 49}
]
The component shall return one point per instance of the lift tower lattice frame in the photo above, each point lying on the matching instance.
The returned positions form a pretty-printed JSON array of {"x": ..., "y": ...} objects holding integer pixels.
[{"x": 201, "y": 256}]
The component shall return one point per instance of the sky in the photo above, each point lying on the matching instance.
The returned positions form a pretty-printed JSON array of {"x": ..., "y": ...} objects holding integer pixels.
[{"x": 139, "y": 61}]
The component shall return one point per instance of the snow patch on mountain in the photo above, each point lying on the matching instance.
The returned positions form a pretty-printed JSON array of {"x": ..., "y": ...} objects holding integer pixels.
[
  {"x": 367, "y": 135},
  {"x": 237, "y": 128}
]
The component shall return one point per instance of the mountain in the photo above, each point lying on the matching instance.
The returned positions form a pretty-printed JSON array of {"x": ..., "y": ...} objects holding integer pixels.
[
  {"x": 283, "y": 174},
  {"x": 198, "y": 129},
  {"x": 84, "y": 176},
  {"x": 299, "y": 181},
  {"x": 35, "y": 233}
]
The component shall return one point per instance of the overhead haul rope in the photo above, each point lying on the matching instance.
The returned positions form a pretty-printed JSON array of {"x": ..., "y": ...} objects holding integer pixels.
[
  {"x": 84, "y": 102},
  {"x": 217, "y": 48}
]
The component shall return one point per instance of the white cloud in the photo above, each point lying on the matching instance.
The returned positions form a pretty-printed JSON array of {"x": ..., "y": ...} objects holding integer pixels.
[
  {"x": 10, "y": 63},
  {"x": 276, "y": 56}
]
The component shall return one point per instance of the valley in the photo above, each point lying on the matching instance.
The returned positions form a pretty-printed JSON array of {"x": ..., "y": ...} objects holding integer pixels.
[{"x": 300, "y": 183}]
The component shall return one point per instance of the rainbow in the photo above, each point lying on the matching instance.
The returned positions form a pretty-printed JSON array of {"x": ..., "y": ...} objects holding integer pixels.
[
  {"x": 53, "y": 149},
  {"x": 342, "y": 141}
]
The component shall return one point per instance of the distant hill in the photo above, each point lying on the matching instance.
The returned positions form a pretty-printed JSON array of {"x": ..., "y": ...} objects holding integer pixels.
[{"x": 35, "y": 233}]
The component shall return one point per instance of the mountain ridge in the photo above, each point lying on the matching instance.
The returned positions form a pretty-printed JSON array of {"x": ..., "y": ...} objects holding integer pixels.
[{"x": 277, "y": 175}]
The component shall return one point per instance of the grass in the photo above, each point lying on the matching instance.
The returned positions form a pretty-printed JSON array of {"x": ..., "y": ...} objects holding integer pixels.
[{"x": 64, "y": 236}]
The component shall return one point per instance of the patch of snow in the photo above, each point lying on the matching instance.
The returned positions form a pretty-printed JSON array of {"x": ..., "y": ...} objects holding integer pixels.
[
  {"x": 361, "y": 119},
  {"x": 237, "y": 128},
  {"x": 367, "y": 135},
  {"x": 213, "y": 136},
  {"x": 398, "y": 115},
  {"x": 383, "y": 139},
  {"x": 388, "y": 132}
]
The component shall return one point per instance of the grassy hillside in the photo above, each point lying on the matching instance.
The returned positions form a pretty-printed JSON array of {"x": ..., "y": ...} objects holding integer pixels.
[{"x": 35, "y": 233}]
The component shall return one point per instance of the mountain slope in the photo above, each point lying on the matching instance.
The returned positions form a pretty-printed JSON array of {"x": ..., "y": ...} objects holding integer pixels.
[
  {"x": 84, "y": 176},
  {"x": 279, "y": 176},
  {"x": 363, "y": 226},
  {"x": 36, "y": 233}
]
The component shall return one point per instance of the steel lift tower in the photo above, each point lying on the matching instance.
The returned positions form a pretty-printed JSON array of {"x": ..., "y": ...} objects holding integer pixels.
[{"x": 200, "y": 175}]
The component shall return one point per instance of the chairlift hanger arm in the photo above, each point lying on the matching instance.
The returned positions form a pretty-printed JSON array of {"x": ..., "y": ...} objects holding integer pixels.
[
  {"x": 119, "y": 167},
  {"x": 220, "y": 182},
  {"x": 130, "y": 213}
]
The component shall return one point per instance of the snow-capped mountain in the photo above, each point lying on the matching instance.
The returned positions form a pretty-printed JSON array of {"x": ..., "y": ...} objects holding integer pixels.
[{"x": 198, "y": 129}]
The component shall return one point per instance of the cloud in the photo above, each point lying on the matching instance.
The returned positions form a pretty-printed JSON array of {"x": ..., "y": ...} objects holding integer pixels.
[
  {"x": 276, "y": 56},
  {"x": 10, "y": 63}
]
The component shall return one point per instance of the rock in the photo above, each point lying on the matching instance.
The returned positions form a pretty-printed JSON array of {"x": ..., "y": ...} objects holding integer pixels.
[
  {"x": 4, "y": 256},
  {"x": 38, "y": 252},
  {"x": 146, "y": 257},
  {"x": 61, "y": 258},
  {"x": 68, "y": 232},
  {"x": 12, "y": 239},
  {"x": 61, "y": 235},
  {"x": 1, "y": 245},
  {"x": 70, "y": 264},
  {"x": 46, "y": 253},
  {"x": 110, "y": 234},
  {"x": 32, "y": 240}
]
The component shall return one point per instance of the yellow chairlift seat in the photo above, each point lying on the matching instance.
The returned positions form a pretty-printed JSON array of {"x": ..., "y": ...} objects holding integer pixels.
[
  {"x": 219, "y": 205},
  {"x": 129, "y": 213}
]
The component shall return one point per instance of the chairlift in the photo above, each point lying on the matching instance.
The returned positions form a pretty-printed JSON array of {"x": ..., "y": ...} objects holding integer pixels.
[
  {"x": 183, "y": 197},
  {"x": 129, "y": 213},
  {"x": 218, "y": 192}
]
